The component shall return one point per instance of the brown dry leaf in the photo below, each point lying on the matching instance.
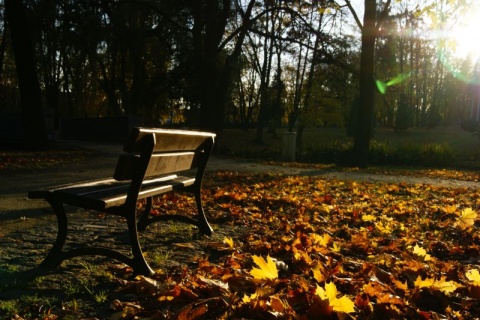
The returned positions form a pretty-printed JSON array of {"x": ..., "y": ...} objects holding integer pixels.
[
  {"x": 373, "y": 289},
  {"x": 400, "y": 285},
  {"x": 277, "y": 304},
  {"x": 192, "y": 311}
]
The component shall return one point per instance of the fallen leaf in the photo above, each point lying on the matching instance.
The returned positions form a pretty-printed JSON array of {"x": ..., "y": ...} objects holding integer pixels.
[
  {"x": 228, "y": 241},
  {"x": 267, "y": 269},
  {"x": 446, "y": 286},
  {"x": 319, "y": 272},
  {"x": 473, "y": 276},
  {"x": 466, "y": 218},
  {"x": 427, "y": 283},
  {"x": 329, "y": 293},
  {"x": 421, "y": 252},
  {"x": 323, "y": 240}
]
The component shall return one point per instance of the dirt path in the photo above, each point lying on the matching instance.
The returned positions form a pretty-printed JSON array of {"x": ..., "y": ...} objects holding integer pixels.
[{"x": 15, "y": 186}]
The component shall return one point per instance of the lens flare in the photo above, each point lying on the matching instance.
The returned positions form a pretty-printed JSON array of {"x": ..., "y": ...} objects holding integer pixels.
[{"x": 382, "y": 86}]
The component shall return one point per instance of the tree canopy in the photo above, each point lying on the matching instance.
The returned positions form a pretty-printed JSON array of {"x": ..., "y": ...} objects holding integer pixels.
[{"x": 209, "y": 64}]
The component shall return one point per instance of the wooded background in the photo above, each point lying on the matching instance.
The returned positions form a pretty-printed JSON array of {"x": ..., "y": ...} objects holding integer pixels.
[{"x": 208, "y": 64}]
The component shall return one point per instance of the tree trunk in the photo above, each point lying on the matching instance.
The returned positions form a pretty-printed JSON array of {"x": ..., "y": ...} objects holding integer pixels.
[
  {"x": 367, "y": 94},
  {"x": 3, "y": 46},
  {"x": 213, "y": 91},
  {"x": 30, "y": 94}
]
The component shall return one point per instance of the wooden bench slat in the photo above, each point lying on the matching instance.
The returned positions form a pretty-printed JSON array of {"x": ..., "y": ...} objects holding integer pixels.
[
  {"x": 101, "y": 197},
  {"x": 167, "y": 140},
  {"x": 159, "y": 164},
  {"x": 45, "y": 192}
]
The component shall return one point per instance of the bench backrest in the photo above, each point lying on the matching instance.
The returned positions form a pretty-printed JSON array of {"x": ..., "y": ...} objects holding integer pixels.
[{"x": 153, "y": 152}]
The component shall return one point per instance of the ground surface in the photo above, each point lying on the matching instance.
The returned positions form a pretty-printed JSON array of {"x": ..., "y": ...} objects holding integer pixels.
[{"x": 30, "y": 227}]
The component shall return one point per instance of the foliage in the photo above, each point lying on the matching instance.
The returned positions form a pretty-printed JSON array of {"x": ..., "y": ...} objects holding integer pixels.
[
  {"x": 384, "y": 153},
  {"x": 308, "y": 247},
  {"x": 328, "y": 248},
  {"x": 159, "y": 59}
]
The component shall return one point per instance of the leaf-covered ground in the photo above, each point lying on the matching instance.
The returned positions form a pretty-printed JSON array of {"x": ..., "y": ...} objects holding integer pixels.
[
  {"x": 30, "y": 160},
  {"x": 321, "y": 248},
  {"x": 309, "y": 247}
]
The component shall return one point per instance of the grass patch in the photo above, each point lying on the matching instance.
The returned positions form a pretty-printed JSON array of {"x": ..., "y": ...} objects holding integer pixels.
[{"x": 9, "y": 308}]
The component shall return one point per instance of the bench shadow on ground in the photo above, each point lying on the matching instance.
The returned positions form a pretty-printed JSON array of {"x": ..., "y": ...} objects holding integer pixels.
[{"x": 168, "y": 245}]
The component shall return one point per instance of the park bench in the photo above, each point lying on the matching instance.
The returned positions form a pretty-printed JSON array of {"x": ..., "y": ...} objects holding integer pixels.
[{"x": 155, "y": 161}]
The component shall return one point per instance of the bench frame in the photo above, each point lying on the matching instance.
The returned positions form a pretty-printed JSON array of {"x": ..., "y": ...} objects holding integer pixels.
[{"x": 148, "y": 168}]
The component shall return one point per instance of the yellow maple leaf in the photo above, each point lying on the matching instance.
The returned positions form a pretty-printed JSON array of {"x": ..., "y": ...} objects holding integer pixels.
[
  {"x": 301, "y": 255},
  {"x": 419, "y": 251},
  {"x": 446, "y": 286},
  {"x": 466, "y": 218},
  {"x": 368, "y": 217},
  {"x": 267, "y": 269},
  {"x": 228, "y": 241},
  {"x": 250, "y": 298},
  {"x": 321, "y": 240},
  {"x": 329, "y": 293},
  {"x": 326, "y": 208},
  {"x": 383, "y": 227},
  {"x": 373, "y": 289},
  {"x": 442, "y": 285},
  {"x": 336, "y": 247},
  {"x": 474, "y": 276},
  {"x": 343, "y": 304},
  {"x": 319, "y": 272},
  {"x": 427, "y": 283},
  {"x": 450, "y": 209}
]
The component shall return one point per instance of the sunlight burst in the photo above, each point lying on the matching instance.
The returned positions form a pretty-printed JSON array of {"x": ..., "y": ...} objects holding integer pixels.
[{"x": 466, "y": 37}]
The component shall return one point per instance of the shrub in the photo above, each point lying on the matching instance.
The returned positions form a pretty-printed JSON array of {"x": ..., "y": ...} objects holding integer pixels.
[
  {"x": 380, "y": 152},
  {"x": 321, "y": 153},
  {"x": 383, "y": 153},
  {"x": 437, "y": 154}
]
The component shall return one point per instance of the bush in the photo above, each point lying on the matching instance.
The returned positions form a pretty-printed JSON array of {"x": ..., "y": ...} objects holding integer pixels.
[
  {"x": 383, "y": 153},
  {"x": 437, "y": 155},
  {"x": 334, "y": 153},
  {"x": 380, "y": 152}
]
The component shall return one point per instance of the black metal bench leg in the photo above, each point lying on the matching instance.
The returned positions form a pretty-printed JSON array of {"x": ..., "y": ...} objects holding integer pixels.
[
  {"x": 140, "y": 265},
  {"x": 203, "y": 224},
  {"x": 55, "y": 256},
  {"x": 143, "y": 220}
]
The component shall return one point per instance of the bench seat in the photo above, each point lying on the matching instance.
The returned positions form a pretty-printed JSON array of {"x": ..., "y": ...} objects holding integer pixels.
[{"x": 106, "y": 193}]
